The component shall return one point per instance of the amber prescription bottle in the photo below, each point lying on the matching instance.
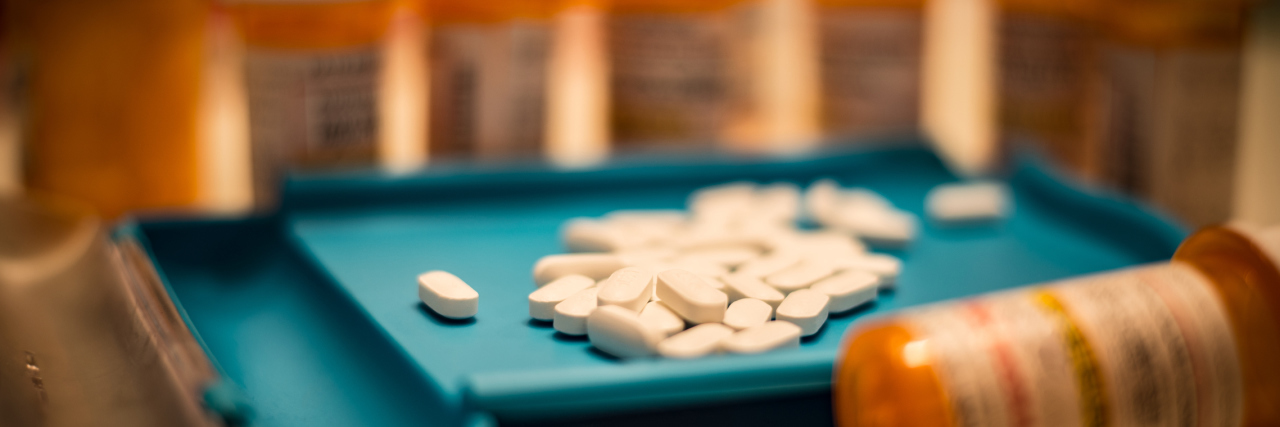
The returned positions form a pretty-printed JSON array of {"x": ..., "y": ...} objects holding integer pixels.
[{"x": 1193, "y": 341}]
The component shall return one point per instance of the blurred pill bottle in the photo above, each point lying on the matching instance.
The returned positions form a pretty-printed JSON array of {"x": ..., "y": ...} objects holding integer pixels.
[
  {"x": 1169, "y": 106},
  {"x": 111, "y": 92},
  {"x": 870, "y": 53},
  {"x": 1188, "y": 342},
  {"x": 312, "y": 74},
  {"x": 671, "y": 71},
  {"x": 1045, "y": 76},
  {"x": 488, "y": 78}
]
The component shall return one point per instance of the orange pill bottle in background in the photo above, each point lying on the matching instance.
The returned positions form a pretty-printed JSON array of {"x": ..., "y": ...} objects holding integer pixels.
[
  {"x": 312, "y": 72},
  {"x": 1190, "y": 342}
]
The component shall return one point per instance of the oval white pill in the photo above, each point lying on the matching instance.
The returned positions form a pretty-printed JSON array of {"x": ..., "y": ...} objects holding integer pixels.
[
  {"x": 739, "y": 287},
  {"x": 884, "y": 266},
  {"x": 727, "y": 256},
  {"x": 571, "y": 314},
  {"x": 806, "y": 309},
  {"x": 747, "y": 312},
  {"x": 618, "y": 331},
  {"x": 769, "y": 264},
  {"x": 967, "y": 202},
  {"x": 542, "y": 302},
  {"x": 448, "y": 295},
  {"x": 660, "y": 318},
  {"x": 758, "y": 339},
  {"x": 820, "y": 200},
  {"x": 589, "y": 235},
  {"x": 847, "y": 289},
  {"x": 696, "y": 342},
  {"x": 690, "y": 297},
  {"x": 799, "y": 276},
  {"x": 880, "y": 227},
  {"x": 595, "y": 266},
  {"x": 629, "y": 288}
]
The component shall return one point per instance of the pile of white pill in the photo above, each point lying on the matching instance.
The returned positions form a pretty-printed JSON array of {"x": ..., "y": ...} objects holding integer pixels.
[{"x": 733, "y": 273}]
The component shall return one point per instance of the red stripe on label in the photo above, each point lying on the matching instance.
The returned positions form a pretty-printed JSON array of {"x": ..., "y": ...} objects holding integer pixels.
[{"x": 1015, "y": 391}]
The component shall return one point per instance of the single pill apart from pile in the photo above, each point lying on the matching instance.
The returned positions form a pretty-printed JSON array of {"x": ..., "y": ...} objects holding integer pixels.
[
  {"x": 448, "y": 295},
  {"x": 758, "y": 339},
  {"x": 696, "y": 342},
  {"x": 739, "y": 287},
  {"x": 594, "y": 265},
  {"x": 799, "y": 276},
  {"x": 806, "y": 309},
  {"x": 690, "y": 297},
  {"x": 967, "y": 202},
  {"x": 619, "y": 332},
  {"x": 747, "y": 312},
  {"x": 847, "y": 289},
  {"x": 660, "y": 318},
  {"x": 629, "y": 288},
  {"x": 571, "y": 314},
  {"x": 542, "y": 302}
]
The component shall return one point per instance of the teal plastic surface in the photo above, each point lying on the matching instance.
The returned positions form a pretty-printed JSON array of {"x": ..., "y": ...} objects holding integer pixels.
[{"x": 315, "y": 313}]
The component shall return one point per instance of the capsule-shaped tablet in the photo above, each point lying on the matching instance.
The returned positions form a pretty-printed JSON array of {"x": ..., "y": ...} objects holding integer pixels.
[
  {"x": 704, "y": 269},
  {"x": 542, "y": 302},
  {"x": 847, "y": 289},
  {"x": 820, "y": 200},
  {"x": 629, "y": 288},
  {"x": 448, "y": 295},
  {"x": 758, "y": 339},
  {"x": 739, "y": 287},
  {"x": 690, "y": 297},
  {"x": 571, "y": 314},
  {"x": 825, "y": 244},
  {"x": 769, "y": 264},
  {"x": 972, "y": 202},
  {"x": 884, "y": 266},
  {"x": 747, "y": 312},
  {"x": 696, "y": 342},
  {"x": 880, "y": 227},
  {"x": 799, "y": 276},
  {"x": 619, "y": 332},
  {"x": 779, "y": 200},
  {"x": 660, "y": 318},
  {"x": 594, "y": 265},
  {"x": 727, "y": 256},
  {"x": 589, "y": 235},
  {"x": 805, "y": 308}
]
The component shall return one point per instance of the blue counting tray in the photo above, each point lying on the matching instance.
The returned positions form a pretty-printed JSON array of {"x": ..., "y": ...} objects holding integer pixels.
[{"x": 313, "y": 313}]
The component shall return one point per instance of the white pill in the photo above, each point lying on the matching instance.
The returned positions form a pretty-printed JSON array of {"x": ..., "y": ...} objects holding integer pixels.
[
  {"x": 696, "y": 342},
  {"x": 799, "y": 276},
  {"x": 805, "y": 308},
  {"x": 542, "y": 302},
  {"x": 448, "y": 295},
  {"x": 967, "y": 202},
  {"x": 780, "y": 200},
  {"x": 571, "y": 314},
  {"x": 722, "y": 200},
  {"x": 706, "y": 269},
  {"x": 595, "y": 266},
  {"x": 739, "y": 287},
  {"x": 847, "y": 289},
  {"x": 727, "y": 256},
  {"x": 690, "y": 297},
  {"x": 824, "y": 243},
  {"x": 881, "y": 227},
  {"x": 820, "y": 200},
  {"x": 884, "y": 266},
  {"x": 589, "y": 235},
  {"x": 660, "y": 318},
  {"x": 862, "y": 197},
  {"x": 629, "y": 288},
  {"x": 758, "y": 339},
  {"x": 747, "y": 312},
  {"x": 618, "y": 331},
  {"x": 769, "y": 264},
  {"x": 647, "y": 255}
]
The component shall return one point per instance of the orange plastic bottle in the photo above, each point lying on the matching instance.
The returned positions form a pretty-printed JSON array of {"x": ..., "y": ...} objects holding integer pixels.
[{"x": 1190, "y": 342}]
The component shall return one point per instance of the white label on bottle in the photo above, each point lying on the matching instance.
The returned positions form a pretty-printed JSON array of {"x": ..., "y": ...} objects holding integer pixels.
[
  {"x": 1144, "y": 346},
  {"x": 669, "y": 76},
  {"x": 870, "y": 69},
  {"x": 489, "y": 89},
  {"x": 308, "y": 103}
]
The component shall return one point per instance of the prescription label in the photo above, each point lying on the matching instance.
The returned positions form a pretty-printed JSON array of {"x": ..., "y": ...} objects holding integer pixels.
[
  {"x": 314, "y": 102},
  {"x": 1145, "y": 346},
  {"x": 669, "y": 76},
  {"x": 870, "y": 68},
  {"x": 488, "y": 89}
]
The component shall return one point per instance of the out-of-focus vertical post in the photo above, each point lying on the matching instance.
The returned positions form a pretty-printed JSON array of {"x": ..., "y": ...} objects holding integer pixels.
[
  {"x": 958, "y": 87},
  {"x": 1257, "y": 196},
  {"x": 577, "y": 87}
]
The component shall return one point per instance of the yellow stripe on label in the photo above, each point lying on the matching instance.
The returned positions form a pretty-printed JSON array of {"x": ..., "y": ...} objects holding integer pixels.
[{"x": 1093, "y": 399}]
